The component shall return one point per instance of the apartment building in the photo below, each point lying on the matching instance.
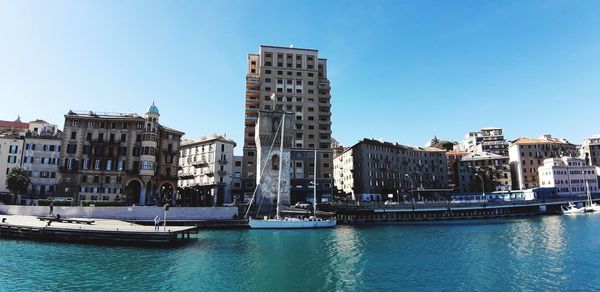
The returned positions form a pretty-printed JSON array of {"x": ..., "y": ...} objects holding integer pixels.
[
  {"x": 294, "y": 81},
  {"x": 527, "y": 155},
  {"x": 454, "y": 156},
  {"x": 236, "y": 180},
  {"x": 384, "y": 169},
  {"x": 119, "y": 157},
  {"x": 483, "y": 172},
  {"x": 590, "y": 150},
  {"x": 485, "y": 140},
  {"x": 570, "y": 176},
  {"x": 343, "y": 169},
  {"x": 206, "y": 171},
  {"x": 41, "y": 158},
  {"x": 11, "y": 150}
]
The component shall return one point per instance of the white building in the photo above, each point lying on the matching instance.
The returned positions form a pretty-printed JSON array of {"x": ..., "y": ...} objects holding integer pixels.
[
  {"x": 343, "y": 171},
  {"x": 11, "y": 149},
  {"x": 569, "y": 175},
  {"x": 43, "y": 128},
  {"x": 485, "y": 140},
  {"x": 41, "y": 160},
  {"x": 206, "y": 171}
]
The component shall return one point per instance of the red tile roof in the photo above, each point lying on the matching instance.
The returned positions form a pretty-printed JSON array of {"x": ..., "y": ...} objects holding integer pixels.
[{"x": 13, "y": 125}]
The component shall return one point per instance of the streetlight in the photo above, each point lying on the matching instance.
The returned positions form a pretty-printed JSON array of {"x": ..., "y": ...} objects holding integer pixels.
[
  {"x": 412, "y": 186},
  {"x": 482, "y": 185}
]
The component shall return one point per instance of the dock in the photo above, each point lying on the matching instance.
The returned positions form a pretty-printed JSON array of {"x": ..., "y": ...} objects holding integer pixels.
[
  {"x": 379, "y": 213},
  {"x": 99, "y": 231}
]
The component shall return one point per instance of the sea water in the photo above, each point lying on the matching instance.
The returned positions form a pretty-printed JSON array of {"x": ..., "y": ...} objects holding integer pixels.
[{"x": 532, "y": 254}]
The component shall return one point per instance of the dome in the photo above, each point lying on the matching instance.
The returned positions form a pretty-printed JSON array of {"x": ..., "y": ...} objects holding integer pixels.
[{"x": 153, "y": 109}]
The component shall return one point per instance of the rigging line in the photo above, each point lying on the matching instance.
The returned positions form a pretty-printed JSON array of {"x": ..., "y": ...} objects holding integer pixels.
[{"x": 262, "y": 172}]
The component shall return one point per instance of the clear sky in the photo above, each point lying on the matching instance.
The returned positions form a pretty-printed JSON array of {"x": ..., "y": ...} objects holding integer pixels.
[{"x": 400, "y": 70}]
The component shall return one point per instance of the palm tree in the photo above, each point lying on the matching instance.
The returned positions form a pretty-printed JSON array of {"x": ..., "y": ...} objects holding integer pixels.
[{"x": 17, "y": 181}]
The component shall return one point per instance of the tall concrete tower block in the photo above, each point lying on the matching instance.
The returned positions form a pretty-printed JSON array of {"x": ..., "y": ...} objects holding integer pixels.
[{"x": 269, "y": 154}]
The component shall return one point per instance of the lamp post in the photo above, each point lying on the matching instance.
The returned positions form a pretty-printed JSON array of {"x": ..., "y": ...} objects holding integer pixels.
[
  {"x": 412, "y": 186},
  {"x": 482, "y": 185}
]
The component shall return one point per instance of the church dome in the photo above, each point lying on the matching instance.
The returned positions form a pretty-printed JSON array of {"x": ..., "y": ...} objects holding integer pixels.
[{"x": 153, "y": 109}]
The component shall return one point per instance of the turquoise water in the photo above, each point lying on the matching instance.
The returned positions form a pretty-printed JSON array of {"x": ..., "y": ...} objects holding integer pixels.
[{"x": 531, "y": 254}]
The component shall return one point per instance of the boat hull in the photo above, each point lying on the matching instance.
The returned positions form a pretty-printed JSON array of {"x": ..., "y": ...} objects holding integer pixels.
[{"x": 290, "y": 224}]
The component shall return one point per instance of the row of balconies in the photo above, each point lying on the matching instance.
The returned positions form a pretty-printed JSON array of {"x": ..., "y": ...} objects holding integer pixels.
[{"x": 208, "y": 173}]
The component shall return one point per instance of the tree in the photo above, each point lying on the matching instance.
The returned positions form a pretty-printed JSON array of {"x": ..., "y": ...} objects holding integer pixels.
[{"x": 17, "y": 180}]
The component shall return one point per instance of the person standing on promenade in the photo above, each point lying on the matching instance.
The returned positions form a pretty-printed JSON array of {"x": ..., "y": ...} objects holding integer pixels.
[
  {"x": 156, "y": 223},
  {"x": 51, "y": 208}
]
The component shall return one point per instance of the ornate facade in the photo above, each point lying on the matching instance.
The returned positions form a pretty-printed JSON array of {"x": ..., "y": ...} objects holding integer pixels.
[{"x": 119, "y": 157}]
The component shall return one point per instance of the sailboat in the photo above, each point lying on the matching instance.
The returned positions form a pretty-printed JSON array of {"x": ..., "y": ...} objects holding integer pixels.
[
  {"x": 589, "y": 206},
  {"x": 280, "y": 222}
]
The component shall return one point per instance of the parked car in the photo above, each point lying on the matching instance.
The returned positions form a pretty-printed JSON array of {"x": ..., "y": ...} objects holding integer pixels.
[
  {"x": 388, "y": 202},
  {"x": 229, "y": 204}
]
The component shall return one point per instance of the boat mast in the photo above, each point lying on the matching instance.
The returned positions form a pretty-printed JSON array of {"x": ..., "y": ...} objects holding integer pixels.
[
  {"x": 315, "y": 186},
  {"x": 587, "y": 188},
  {"x": 278, "y": 215}
]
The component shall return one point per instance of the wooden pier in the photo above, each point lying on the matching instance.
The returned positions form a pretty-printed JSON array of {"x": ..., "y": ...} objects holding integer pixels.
[{"x": 98, "y": 232}]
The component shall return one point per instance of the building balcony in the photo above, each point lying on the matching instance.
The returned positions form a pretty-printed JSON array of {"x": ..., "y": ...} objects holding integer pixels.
[
  {"x": 222, "y": 161},
  {"x": 324, "y": 86},
  {"x": 186, "y": 176},
  {"x": 252, "y": 102},
  {"x": 221, "y": 172},
  {"x": 73, "y": 169},
  {"x": 252, "y": 92},
  {"x": 252, "y": 82},
  {"x": 250, "y": 122},
  {"x": 325, "y": 113},
  {"x": 199, "y": 164}
]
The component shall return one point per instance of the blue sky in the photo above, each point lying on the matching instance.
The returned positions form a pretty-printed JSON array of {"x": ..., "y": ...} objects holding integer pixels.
[{"x": 400, "y": 70}]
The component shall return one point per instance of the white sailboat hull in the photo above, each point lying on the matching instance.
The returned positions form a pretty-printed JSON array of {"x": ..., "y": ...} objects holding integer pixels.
[
  {"x": 291, "y": 223},
  {"x": 573, "y": 210}
]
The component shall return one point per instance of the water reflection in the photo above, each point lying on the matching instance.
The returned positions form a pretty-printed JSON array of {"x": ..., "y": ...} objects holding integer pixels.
[{"x": 343, "y": 259}]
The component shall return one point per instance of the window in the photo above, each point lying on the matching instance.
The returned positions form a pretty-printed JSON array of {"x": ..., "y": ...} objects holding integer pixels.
[
  {"x": 75, "y": 123},
  {"x": 73, "y": 135},
  {"x": 71, "y": 148}
]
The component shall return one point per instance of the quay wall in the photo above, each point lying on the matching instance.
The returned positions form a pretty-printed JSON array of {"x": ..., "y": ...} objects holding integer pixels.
[
  {"x": 135, "y": 213},
  {"x": 347, "y": 214}
]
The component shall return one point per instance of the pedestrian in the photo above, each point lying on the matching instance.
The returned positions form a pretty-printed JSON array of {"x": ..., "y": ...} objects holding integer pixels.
[
  {"x": 51, "y": 208},
  {"x": 156, "y": 223}
]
